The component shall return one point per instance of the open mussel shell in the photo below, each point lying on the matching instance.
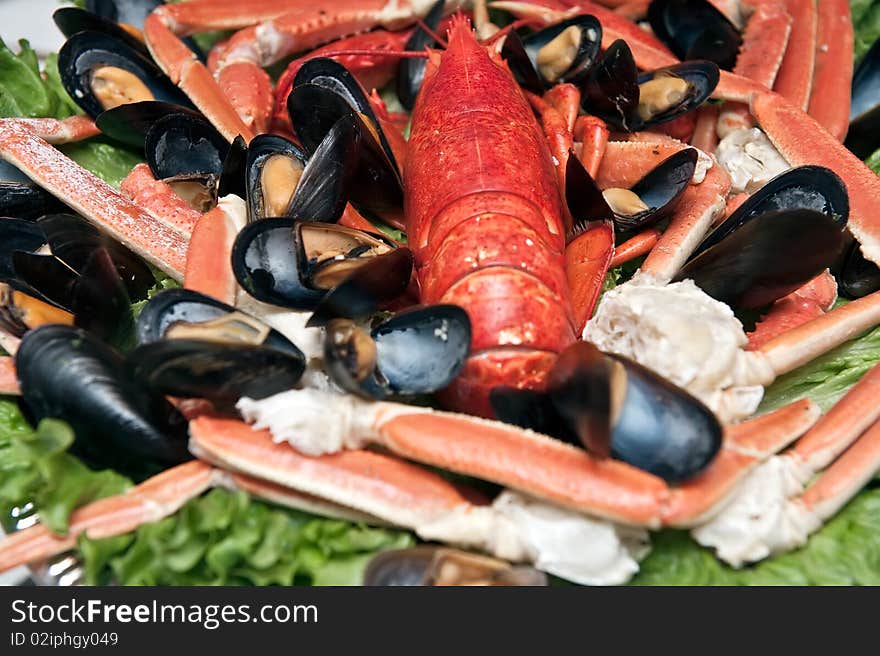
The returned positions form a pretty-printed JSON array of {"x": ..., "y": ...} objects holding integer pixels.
[
  {"x": 695, "y": 29},
  {"x": 767, "y": 258},
  {"x": 222, "y": 373},
  {"x": 564, "y": 52},
  {"x": 411, "y": 72},
  {"x": 130, "y": 123},
  {"x": 68, "y": 374},
  {"x": 858, "y": 276},
  {"x": 23, "y": 308},
  {"x": 418, "y": 351},
  {"x": 651, "y": 199},
  {"x": 100, "y": 73},
  {"x": 181, "y": 144},
  {"x": 273, "y": 168},
  {"x": 668, "y": 93},
  {"x": 431, "y": 565},
  {"x": 805, "y": 187},
  {"x": 863, "y": 136},
  {"x": 73, "y": 240},
  {"x": 611, "y": 91}
]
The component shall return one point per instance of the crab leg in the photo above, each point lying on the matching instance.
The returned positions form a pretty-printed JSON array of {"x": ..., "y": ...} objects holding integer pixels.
[
  {"x": 801, "y": 140},
  {"x": 97, "y": 201},
  {"x": 830, "y": 98},
  {"x": 764, "y": 43},
  {"x": 159, "y": 199},
  {"x": 208, "y": 268},
  {"x": 8, "y": 377},
  {"x": 634, "y": 247},
  {"x": 152, "y": 500},
  {"x": 591, "y": 134},
  {"x": 795, "y": 77},
  {"x": 60, "y": 131}
]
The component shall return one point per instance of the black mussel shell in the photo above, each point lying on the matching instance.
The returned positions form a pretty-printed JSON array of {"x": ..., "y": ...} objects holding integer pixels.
[
  {"x": 379, "y": 280},
  {"x": 767, "y": 258},
  {"x": 17, "y": 235},
  {"x": 21, "y": 198},
  {"x": 863, "y": 136},
  {"x": 73, "y": 240},
  {"x": 85, "y": 52},
  {"x": 71, "y": 20},
  {"x": 411, "y": 72},
  {"x": 130, "y": 123},
  {"x": 68, "y": 374},
  {"x": 323, "y": 92},
  {"x": 100, "y": 302},
  {"x": 700, "y": 77},
  {"x": 435, "y": 566},
  {"x": 533, "y": 410},
  {"x": 49, "y": 276},
  {"x": 176, "y": 307},
  {"x": 587, "y": 52},
  {"x": 272, "y": 150},
  {"x": 521, "y": 65},
  {"x": 233, "y": 178},
  {"x": 222, "y": 373},
  {"x": 418, "y": 351},
  {"x": 660, "y": 189},
  {"x": 805, "y": 187},
  {"x": 611, "y": 92},
  {"x": 858, "y": 276},
  {"x": 180, "y": 144},
  {"x": 266, "y": 264},
  {"x": 23, "y": 308},
  {"x": 695, "y": 29}
]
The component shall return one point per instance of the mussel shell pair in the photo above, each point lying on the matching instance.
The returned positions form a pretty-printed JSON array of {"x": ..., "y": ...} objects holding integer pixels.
[
  {"x": 418, "y": 351},
  {"x": 430, "y": 565},
  {"x": 324, "y": 93},
  {"x": 86, "y": 52},
  {"x": 781, "y": 237},
  {"x": 695, "y": 29},
  {"x": 615, "y": 406},
  {"x": 522, "y": 54},
  {"x": 660, "y": 189},
  {"x": 67, "y": 373},
  {"x": 274, "y": 261},
  {"x": 614, "y": 89},
  {"x": 194, "y": 346},
  {"x": 863, "y": 137}
]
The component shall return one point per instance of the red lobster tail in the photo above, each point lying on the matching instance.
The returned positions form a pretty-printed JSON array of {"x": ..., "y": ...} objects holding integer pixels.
[{"x": 482, "y": 239}]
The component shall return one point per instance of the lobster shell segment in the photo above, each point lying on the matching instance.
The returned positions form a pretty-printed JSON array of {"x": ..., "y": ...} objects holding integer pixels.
[{"x": 485, "y": 219}]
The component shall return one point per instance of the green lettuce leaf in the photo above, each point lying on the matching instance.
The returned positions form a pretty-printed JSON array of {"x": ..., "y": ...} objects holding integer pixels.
[
  {"x": 35, "y": 468},
  {"x": 105, "y": 159},
  {"x": 226, "y": 538},
  {"x": 866, "y": 25},
  {"x": 874, "y": 162}
]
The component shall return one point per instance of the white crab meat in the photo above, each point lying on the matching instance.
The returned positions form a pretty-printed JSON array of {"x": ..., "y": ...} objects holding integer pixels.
[
  {"x": 750, "y": 159},
  {"x": 761, "y": 520},
  {"x": 689, "y": 338}
]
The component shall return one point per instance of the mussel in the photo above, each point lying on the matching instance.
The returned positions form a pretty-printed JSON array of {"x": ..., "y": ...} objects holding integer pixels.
[
  {"x": 100, "y": 73},
  {"x": 863, "y": 136},
  {"x": 192, "y": 345},
  {"x": 129, "y": 123},
  {"x": 417, "y": 351},
  {"x": 72, "y": 20},
  {"x": 67, "y": 373},
  {"x": 411, "y": 72},
  {"x": 564, "y": 52},
  {"x": 614, "y": 406},
  {"x": 431, "y": 565},
  {"x": 695, "y": 29},
  {"x": 274, "y": 168},
  {"x": 630, "y": 101},
  {"x": 767, "y": 257},
  {"x": 324, "y": 92},
  {"x": 650, "y": 200},
  {"x": 858, "y": 276},
  {"x": 21, "y": 198},
  {"x": 296, "y": 263}
]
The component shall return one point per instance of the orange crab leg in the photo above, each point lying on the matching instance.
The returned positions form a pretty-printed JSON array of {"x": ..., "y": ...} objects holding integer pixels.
[
  {"x": 208, "y": 268},
  {"x": 61, "y": 131},
  {"x": 587, "y": 258},
  {"x": 634, "y": 247},
  {"x": 8, "y": 377},
  {"x": 625, "y": 162},
  {"x": 152, "y": 500},
  {"x": 801, "y": 140},
  {"x": 764, "y": 43},
  {"x": 830, "y": 98},
  {"x": 592, "y": 135},
  {"x": 159, "y": 199},
  {"x": 705, "y": 137},
  {"x": 795, "y": 77},
  {"x": 97, "y": 201}
]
